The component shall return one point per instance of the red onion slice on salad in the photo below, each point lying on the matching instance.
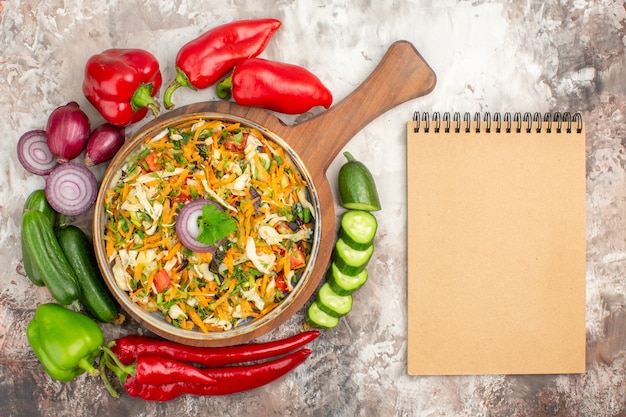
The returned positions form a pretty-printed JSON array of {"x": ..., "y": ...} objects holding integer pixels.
[
  {"x": 34, "y": 154},
  {"x": 187, "y": 228},
  {"x": 71, "y": 189}
]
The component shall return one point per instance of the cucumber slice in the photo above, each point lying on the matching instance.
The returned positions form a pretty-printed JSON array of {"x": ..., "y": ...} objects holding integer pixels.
[
  {"x": 351, "y": 261},
  {"x": 344, "y": 284},
  {"x": 358, "y": 228},
  {"x": 357, "y": 188},
  {"x": 332, "y": 303},
  {"x": 318, "y": 318}
]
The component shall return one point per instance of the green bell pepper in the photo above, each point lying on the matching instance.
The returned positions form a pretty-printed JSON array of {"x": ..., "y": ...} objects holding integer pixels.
[{"x": 66, "y": 342}]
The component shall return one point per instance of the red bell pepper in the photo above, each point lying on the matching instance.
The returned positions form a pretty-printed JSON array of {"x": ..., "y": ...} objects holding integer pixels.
[
  {"x": 277, "y": 86},
  {"x": 162, "y": 280},
  {"x": 203, "y": 61},
  {"x": 121, "y": 84}
]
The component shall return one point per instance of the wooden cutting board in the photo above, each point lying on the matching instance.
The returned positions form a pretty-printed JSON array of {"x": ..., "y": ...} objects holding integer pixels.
[{"x": 401, "y": 75}]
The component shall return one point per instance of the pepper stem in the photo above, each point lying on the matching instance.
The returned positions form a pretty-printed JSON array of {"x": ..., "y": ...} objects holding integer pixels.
[
  {"x": 143, "y": 98},
  {"x": 124, "y": 369},
  {"x": 224, "y": 88},
  {"x": 87, "y": 366},
  {"x": 349, "y": 156},
  {"x": 181, "y": 80},
  {"x": 102, "y": 365}
]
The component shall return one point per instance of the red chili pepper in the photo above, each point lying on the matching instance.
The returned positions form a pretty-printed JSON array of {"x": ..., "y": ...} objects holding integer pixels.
[
  {"x": 203, "y": 61},
  {"x": 277, "y": 86},
  {"x": 229, "y": 380},
  {"x": 128, "y": 348},
  {"x": 157, "y": 370},
  {"x": 121, "y": 84}
]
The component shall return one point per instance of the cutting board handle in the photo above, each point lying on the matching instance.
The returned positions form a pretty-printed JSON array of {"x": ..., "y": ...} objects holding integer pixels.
[{"x": 401, "y": 75}]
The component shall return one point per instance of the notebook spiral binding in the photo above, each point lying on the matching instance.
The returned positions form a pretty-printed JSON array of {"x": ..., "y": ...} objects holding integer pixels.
[{"x": 498, "y": 122}]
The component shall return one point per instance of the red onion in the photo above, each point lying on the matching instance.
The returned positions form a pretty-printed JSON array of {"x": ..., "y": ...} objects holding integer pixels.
[
  {"x": 71, "y": 189},
  {"x": 187, "y": 228},
  {"x": 67, "y": 132},
  {"x": 34, "y": 154},
  {"x": 103, "y": 143}
]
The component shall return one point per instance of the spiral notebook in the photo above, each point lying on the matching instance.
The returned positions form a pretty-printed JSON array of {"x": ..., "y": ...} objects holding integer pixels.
[{"x": 496, "y": 243}]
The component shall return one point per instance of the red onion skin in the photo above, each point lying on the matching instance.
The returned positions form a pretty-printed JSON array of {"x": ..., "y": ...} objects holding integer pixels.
[
  {"x": 103, "y": 143},
  {"x": 67, "y": 132}
]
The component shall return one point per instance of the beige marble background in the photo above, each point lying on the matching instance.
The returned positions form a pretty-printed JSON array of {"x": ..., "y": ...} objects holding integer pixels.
[{"x": 489, "y": 55}]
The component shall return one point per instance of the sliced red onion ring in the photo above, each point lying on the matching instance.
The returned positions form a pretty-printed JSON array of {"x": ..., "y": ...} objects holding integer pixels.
[
  {"x": 34, "y": 154},
  {"x": 71, "y": 189},
  {"x": 187, "y": 228}
]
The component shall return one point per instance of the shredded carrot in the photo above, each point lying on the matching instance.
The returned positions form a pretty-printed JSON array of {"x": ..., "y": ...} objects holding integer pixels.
[
  {"x": 186, "y": 324},
  {"x": 125, "y": 191},
  {"x": 180, "y": 179},
  {"x": 166, "y": 216},
  {"x": 206, "y": 257},
  {"x": 151, "y": 279},
  {"x": 138, "y": 271},
  {"x": 197, "y": 320},
  {"x": 110, "y": 246},
  {"x": 156, "y": 244},
  {"x": 224, "y": 297},
  {"x": 172, "y": 252}
]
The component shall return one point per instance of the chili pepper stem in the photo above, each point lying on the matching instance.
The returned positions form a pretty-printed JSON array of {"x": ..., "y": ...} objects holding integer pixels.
[
  {"x": 143, "y": 98},
  {"x": 349, "y": 156},
  {"x": 224, "y": 88},
  {"x": 108, "y": 353},
  {"x": 105, "y": 379},
  {"x": 181, "y": 80}
]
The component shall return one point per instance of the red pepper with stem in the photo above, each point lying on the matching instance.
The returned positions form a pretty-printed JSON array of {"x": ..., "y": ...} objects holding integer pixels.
[
  {"x": 152, "y": 369},
  {"x": 129, "y": 348},
  {"x": 277, "y": 86},
  {"x": 121, "y": 84},
  {"x": 229, "y": 379},
  {"x": 203, "y": 61}
]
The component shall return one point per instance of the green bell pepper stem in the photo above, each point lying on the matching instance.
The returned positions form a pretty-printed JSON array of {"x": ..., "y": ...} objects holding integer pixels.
[
  {"x": 86, "y": 366},
  {"x": 224, "y": 88}
]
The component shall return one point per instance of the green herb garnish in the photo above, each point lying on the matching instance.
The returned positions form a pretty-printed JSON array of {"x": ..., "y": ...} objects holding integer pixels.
[{"x": 214, "y": 225}]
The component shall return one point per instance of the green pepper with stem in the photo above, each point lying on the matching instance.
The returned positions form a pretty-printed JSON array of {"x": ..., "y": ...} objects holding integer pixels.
[{"x": 65, "y": 341}]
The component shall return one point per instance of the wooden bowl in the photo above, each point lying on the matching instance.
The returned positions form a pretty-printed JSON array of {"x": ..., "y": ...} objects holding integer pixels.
[{"x": 401, "y": 75}]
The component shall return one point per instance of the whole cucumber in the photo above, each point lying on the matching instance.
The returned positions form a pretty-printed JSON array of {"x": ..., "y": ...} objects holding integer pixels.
[
  {"x": 94, "y": 295},
  {"x": 37, "y": 201},
  {"x": 357, "y": 189},
  {"x": 32, "y": 272},
  {"x": 44, "y": 259}
]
